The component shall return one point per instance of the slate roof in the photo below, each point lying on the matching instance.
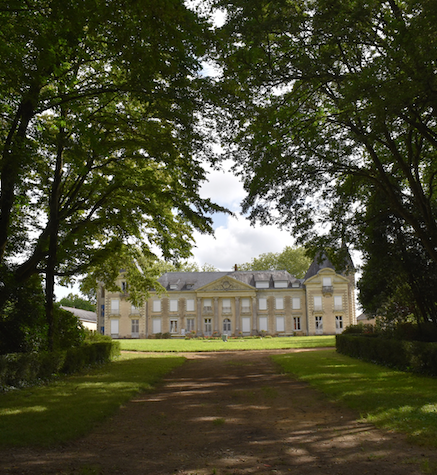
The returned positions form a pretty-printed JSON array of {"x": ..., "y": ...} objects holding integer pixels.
[
  {"x": 194, "y": 280},
  {"x": 83, "y": 315}
]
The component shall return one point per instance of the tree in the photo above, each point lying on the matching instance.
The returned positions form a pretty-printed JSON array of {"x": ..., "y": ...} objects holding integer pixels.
[
  {"x": 292, "y": 259},
  {"x": 324, "y": 102},
  {"x": 101, "y": 139},
  {"x": 74, "y": 301}
]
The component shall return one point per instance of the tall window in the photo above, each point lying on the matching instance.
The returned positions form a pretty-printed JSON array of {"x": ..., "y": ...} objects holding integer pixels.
[
  {"x": 207, "y": 305},
  {"x": 115, "y": 306},
  {"x": 338, "y": 302},
  {"x": 296, "y": 303},
  {"x": 156, "y": 325},
  {"x": 173, "y": 326},
  {"x": 207, "y": 329},
  {"x": 262, "y": 303},
  {"x": 319, "y": 325},
  {"x": 245, "y": 305},
  {"x": 280, "y": 324},
  {"x": 156, "y": 306},
  {"x": 296, "y": 322},
  {"x": 135, "y": 328},
  {"x": 190, "y": 305},
  {"x": 317, "y": 302},
  {"x": 263, "y": 324},
  {"x": 226, "y": 326},
  {"x": 279, "y": 303},
  {"x": 190, "y": 325},
  {"x": 173, "y": 305},
  {"x": 134, "y": 310},
  {"x": 327, "y": 282},
  {"x": 226, "y": 305},
  {"x": 338, "y": 324}
]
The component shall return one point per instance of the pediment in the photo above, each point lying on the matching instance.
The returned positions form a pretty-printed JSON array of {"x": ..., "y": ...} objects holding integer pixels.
[{"x": 225, "y": 284}]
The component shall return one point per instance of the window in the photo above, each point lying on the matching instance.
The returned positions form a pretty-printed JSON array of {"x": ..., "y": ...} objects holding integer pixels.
[
  {"x": 114, "y": 327},
  {"x": 156, "y": 325},
  {"x": 124, "y": 286},
  {"x": 263, "y": 324},
  {"x": 319, "y": 325},
  {"x": 190, "y": 325},
  {"x": 262, "y": 303},
  {"x": 245, "y": 325},
  {"x": 226, "y": 326},
  {"x": 173, "y": 326},
  {"x": 190, "y": 305},
  {"x": 317, "y": 302},
  {"x": 280, "y": 324},
  {"x": 338, "y": 302},
  {"x": 207, "y": 326},
  {"x": 281, "y": 284},
  {"x": 173, "y": 286},
  {"x": 279, "y": 302},
  {"x": 135, "y": 328},
  {"x": 295, "y": 303},
  {"x": 134, "y": 310},
  {"x": 338, "y": 324},
  {"x": 296, "y": 322},
  {"x": 115, "y": 306},
  {"x": 156, "y": 306},
  {"x": 173, "y": 305},
  {"x": 207, "y": 305},
  {"x": 262, "y": 284},
  {"x": 245, "y": 305},
  {"x": 226, "y": 305}
]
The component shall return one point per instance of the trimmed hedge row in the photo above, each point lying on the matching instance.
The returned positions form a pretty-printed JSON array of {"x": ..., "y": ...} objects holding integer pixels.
[
  {"x": 25, "y": 369},
  {"x": 416, "y": 356}
]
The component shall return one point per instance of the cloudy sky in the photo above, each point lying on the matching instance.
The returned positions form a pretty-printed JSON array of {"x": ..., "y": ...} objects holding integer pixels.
[{"x": 235, "y": 240}]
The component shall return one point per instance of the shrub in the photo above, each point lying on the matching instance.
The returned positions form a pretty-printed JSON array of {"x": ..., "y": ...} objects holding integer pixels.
[{"x": 416, "y": 356}]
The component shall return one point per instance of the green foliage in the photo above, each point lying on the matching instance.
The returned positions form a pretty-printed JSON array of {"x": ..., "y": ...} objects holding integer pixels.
[
  {"x": 292, "y": 259},
  {"x": 325, "y": 102},
  {"x": 74, "y": 301},
  {"x": 65, "y": 410},
  {"x": 390, "y": 399},
  {"x": 416, "y": 356}
]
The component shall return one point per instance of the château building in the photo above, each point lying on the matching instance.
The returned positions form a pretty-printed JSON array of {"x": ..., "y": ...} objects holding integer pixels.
[{"x": 235, "y": 303}]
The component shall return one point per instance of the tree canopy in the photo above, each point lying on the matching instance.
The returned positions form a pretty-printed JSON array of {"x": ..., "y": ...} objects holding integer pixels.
[
  {"x": 325, "y": 102},
  {"x": 292, "y": 259}
]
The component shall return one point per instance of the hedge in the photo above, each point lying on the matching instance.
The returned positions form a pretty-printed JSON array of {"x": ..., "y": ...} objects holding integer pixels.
[
  {"x": 25, "y": 369},
  {"x": 416, "y": 356}
]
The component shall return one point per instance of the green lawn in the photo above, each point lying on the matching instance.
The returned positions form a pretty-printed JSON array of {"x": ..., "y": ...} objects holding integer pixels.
[
  {"x": 69, "y": 408},
  {"x": 390, "y": 399},
  {"x": 181, "y": 345}
]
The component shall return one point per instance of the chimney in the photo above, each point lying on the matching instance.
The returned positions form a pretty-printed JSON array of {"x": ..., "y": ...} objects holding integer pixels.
[{"x": 236, "y": 267}]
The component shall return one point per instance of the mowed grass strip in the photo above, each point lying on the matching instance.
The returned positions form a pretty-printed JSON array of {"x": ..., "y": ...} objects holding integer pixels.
[
  {"x": 64, "y": 410},
  {"x": 233, "y": 344},
  {"x": 390, "y": 399}
]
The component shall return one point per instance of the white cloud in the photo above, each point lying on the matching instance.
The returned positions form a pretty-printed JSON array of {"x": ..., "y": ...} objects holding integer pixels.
[{"x": 238, "y": 242}]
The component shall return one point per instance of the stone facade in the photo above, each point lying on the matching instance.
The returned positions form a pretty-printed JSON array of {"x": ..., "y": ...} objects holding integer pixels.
[{"x": 235, "y": 303}]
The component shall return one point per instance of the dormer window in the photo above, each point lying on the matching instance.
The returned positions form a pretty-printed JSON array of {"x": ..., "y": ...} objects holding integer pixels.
[
  {"x": 173, "y": 286},
  {"x": 262, "y": 284},
  {"x": 281, "y": 284}
]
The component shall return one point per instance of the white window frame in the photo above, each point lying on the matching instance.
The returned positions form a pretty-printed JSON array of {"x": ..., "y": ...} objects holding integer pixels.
[
  {"x": 295, "y": 303},
  {"x": 279, "y": 303},
  {"x": 262, "y": 303},
  {"x": 115, "y": 327},
  {"x": 262, "y": 284},
  {"x": 280, "y": 324},
  {"x": 207, "y": 305},
  {"x": 135, "y": 327},
  {"x": 338, "y": 302},
  {"x": 156, "y": 306},
  {"x": 318, "y": 303},
  {"x": 174, "y": 325},
  {"x": 227, "y": 326},
  {"x": 297, "y": 324},
  {"x": 226, "y": 305},
  {"x": 281, "y": 284},
  {"x": 156, "y": 325},
  {"x": 245, "y": 305},
  {"x": 245, "y": 324},
  {"x": 190, "y": 322},
  {"x": 190, "y": 305},
  {"x": 173, "y": 305},
  {"x": 338, "y": 323},
  {"x": 319, "y": 325},
  {"x": 263, "y": 323},
  {"x": 134, "y": 310},
  {"x": 115, "y": 306},
  {"x": 327, "y": 282},
  {"x": 207, "y": 326}
]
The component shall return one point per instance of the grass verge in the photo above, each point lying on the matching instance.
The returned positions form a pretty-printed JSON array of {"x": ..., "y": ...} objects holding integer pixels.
[
  {"x": 53, "y": 414},
  {"x": 234, "y": 344},
  {"x": 390, "y": 399}
]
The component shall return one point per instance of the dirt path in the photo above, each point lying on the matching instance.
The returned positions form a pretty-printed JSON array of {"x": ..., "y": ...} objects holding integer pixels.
[{"x": 228, "y": 413}]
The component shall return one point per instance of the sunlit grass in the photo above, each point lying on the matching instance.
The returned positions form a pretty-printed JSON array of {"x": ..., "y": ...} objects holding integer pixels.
[
  {"x": 196, "y": 345},
  {"x": 69, "y": 408},
  {"x": 390, "y": 399}
]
